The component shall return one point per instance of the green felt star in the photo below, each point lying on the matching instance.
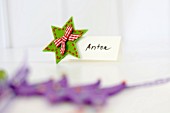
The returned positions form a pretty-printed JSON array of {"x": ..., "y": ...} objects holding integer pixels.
[{"x": 70, "y": 45}]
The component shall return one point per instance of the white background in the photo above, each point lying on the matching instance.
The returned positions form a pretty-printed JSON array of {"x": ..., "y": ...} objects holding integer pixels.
[
  {"x": 145, "y": 53},
  {"x": 144, "y": 24},
  {"x": 30, "y": 21}
]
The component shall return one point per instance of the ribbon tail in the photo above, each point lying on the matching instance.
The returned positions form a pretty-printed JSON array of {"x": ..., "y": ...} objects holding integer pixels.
[{"x": 62, "y": 50}]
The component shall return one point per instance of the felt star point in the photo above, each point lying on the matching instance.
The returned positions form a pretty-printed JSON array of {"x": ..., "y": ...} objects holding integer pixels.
[{"x": 65, "y": 40}]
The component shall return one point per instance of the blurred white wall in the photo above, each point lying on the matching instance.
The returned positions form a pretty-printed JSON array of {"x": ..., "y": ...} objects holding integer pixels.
[
  {"x": 4, "y": 34},
  {"x": 144, "y": 24},
  {"x": 30, "y": 20},
  {"x": 1, "y": 39},
  {"x": 146, "y": 28}
]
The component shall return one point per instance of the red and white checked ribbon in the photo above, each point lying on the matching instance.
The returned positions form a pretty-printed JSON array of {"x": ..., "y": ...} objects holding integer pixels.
[{"x": 63, "y": 39}]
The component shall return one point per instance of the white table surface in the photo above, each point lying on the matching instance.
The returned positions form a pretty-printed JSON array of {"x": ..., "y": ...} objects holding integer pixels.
[{"x": 154, "y": 99}]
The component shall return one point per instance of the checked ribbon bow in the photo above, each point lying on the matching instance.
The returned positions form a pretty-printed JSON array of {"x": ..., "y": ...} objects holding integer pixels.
[{"x": 67, "y": 36}]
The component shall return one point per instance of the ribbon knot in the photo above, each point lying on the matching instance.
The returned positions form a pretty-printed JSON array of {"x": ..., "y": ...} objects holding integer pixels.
[{"x": 67, "y": 36}]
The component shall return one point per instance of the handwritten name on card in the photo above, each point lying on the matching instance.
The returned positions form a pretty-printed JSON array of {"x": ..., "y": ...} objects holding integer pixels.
[
  {"x": 92, "y": 47},
  {"x": 105, "y": 48}
]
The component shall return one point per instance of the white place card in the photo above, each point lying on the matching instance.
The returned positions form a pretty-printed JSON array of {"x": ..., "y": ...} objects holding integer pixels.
[{"x": 105, "y": 48}]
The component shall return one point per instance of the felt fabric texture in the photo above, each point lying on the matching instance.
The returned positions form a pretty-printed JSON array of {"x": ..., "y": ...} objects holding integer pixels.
[{"x": 71, "y": 47}]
